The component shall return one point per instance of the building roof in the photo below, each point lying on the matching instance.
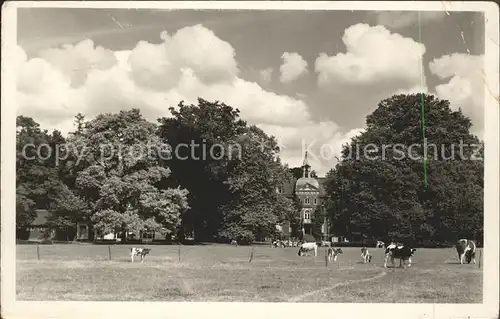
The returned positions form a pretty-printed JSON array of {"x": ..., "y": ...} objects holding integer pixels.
[
  {"x": 289, "y": 188},
  {"x": 303, "y": 181}
]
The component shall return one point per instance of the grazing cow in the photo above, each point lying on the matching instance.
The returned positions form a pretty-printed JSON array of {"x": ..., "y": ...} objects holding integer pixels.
[
  {"x": 379, "y": 244},
  {"x": 278, "y": 243},
  {"x": 401, "y": 252},
  {"x": 305, "y": 247},
  {"x": 332, "y": 253},
  {"x": 466, "y": 250},
  {"x": 365, "y": 255},
  {"x": 143, "y": 252},
  {"x": 234, "y": 242}
]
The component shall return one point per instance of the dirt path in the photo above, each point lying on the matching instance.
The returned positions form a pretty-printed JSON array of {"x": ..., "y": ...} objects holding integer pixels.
[{"x": 310, "y": 293}]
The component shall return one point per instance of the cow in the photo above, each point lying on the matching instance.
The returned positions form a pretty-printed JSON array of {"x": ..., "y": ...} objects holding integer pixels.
[
  {"x": 466, "y": 250},
  {"x": 278, "y": 243},
  {"x": 379, "y": 244},
  {"x": 143, "y": 252},
  {"x": 234, "y": 242},
  {"x": 332, "y": 253},
  {"x": 401, "y": 252},
  {"x": 305, "y": 247},
  {"x": 365, "y": 255}
]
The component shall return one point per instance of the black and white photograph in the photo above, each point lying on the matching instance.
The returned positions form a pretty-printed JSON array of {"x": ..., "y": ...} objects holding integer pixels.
[{"x": 323, "y": 158}]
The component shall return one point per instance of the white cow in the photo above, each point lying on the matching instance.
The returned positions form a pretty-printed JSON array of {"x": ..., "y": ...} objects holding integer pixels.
[
  {"x": 365, "y": 255},
  {"x": 333, "y": 253},
  {"x": 142, "y": 252},
  {"x": 466, "y": 250},
  {"x": 305, "y": 247}
]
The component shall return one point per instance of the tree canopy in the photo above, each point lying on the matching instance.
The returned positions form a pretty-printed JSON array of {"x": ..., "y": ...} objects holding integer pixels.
[
  {"x": 379, "y": 192},
  {"x": 232, "y": 175}
]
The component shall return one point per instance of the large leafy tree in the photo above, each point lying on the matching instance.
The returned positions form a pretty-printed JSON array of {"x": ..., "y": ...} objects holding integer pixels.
[
  {"x": 380, "y": 192},
  {"x": 37, "y": 180},
  {"x": 232, "y": 171},
  {"x": 119, "y": 171},
  {"x": 254, "y": 206},
  {"x": 200, "y": 137}
]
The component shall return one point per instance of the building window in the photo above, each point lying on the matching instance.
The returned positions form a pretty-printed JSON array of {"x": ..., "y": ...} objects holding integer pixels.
[
  {"x": 307, "y": 214},
  {"x": 315, "y": 201},
  {"x": 306, "y": 200}
]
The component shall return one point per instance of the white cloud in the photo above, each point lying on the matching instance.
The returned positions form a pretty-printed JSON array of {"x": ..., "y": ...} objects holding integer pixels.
[
  {"x": 374, "y": 54},
  {"x": 293, "y": 67},
  {"x": 266, "y": 75},
  {"x": 158, "y": 66},
  {"x": 377, "y": 64},
  {"x": 465, "y": 86},
  {"x": 323, "y": 142},
  {"x": 191, "y": 63},
  {"x": 402, "y": 19},
  {"x": 75, "y": 61}
]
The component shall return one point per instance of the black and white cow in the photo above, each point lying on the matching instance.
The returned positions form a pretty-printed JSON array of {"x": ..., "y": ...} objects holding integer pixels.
[
  {"x": 306, "y": 247},
  {"x": 466, "y": 250},
  {"x": 401, "y": 252},
  {"x": 332, "y": 253},
  {"x": 365, "y": 255},
  {"x": 143, "y": 252},
  {"x": 278, "y": 243}
]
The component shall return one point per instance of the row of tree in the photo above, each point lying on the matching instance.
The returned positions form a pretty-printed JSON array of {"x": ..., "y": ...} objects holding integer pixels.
[{"x": 229, "y": 192}]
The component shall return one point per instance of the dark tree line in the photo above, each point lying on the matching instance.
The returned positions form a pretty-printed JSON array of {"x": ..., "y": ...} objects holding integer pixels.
[
  {"x": 225, "y": 187},
  {"x": 382, "y": 194}
]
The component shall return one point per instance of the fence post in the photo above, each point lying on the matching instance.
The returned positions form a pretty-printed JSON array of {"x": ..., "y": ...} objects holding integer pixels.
[
  {"x": 179, "y": 252},
  {"x": 109, "y": 252},
  {"x": 326, "y": 258},
  {"x": 251, "y": 255},
  {"x": 480, "y": 257},
  {"x": 38, "y": 251}
]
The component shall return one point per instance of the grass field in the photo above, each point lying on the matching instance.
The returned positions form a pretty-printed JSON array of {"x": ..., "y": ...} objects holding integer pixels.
[{"x": 224, "y": 273}]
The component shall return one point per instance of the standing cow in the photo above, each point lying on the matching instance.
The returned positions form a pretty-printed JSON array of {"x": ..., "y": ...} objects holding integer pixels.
[
  {"x": 305, "y": 247},
  {"x": 366, "y": 257},
  {"x": 332, "y": 254},
  {"x": 466, "y": 250},
  {"x": 141, "y": 252},
  {"x": 401, "y": 252}
]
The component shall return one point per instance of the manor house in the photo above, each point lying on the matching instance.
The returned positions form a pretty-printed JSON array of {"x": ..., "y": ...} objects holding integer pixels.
[{"x": 309, "y": 190}]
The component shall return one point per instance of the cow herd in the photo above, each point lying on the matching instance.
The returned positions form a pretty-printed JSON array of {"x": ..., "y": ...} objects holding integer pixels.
[{"x": 466, "y": 250}]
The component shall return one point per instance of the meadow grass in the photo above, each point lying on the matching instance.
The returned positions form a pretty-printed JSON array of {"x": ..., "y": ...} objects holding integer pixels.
[{"x": 224, "y": 273}]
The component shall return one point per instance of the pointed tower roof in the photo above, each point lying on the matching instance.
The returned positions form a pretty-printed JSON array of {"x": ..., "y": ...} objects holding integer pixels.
[
  {"x": 306, "y": 178},
  {"x": 306, "y": 162}
]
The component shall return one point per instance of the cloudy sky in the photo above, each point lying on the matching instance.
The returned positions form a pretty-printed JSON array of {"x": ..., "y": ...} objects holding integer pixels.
[{"x": 306, "y": 77}]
